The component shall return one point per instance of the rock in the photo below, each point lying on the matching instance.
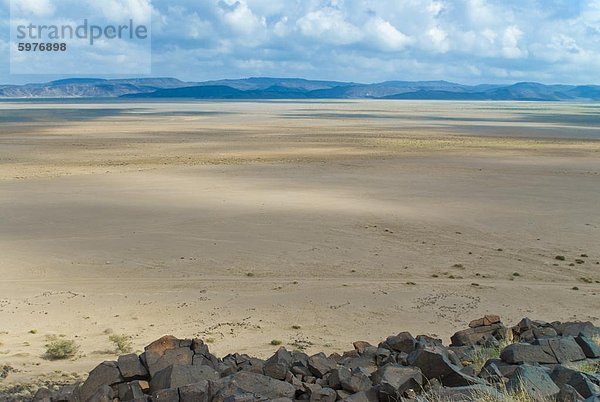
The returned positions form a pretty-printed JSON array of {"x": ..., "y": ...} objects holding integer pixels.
[
  {"x": 534, "y": 381},
  {"x": 337, "y": 375},
  {"x": 68, "y": 393},
  {"x": 43, "y": 395},
  {"x": 131, "y": 368},
  {"x": 361, "y": 346},
  {"x": 319, "y": 364},
  {"x": 323, "y": 395},
  {"x": 165, "y": 352},
  {"x": 197, "y": 392},
  {"x": 258, "y": 385},
  {"x": 278, "y": 365},
  {"x": 586, "y": 329},
  {"x": 562, "y": 375},
  {"x": 365, "y": 396},
  {"x": 588, "y": 346},
  {"x": 494, "y": 370},
  {"x": 130, "y": 390},
  {"x": 434, "y": 363},
  {"x": 394, "y": 380},
  {"x": 356, "y": 382},
  {"x": 166, "y": 395},
  {"x": 177, "y": 376},
  {"x": 564, "y": 349},
  {"x": 103, "y": 394},
  {"x": 403, "y": 342},
  {"x": 519, "y": 353},
  {"x": 485, "y": 321},
  {"x": 106, "y": 373},
  {"x": 569, "y": 394},
  {"x": 482, "y": 335}
]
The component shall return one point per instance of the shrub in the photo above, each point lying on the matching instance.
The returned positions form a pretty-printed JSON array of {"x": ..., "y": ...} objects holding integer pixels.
[
  {"x": 122, "y": 343},
  {"x": 58, "y": 349},
  {"x": 276, "y": 342}
]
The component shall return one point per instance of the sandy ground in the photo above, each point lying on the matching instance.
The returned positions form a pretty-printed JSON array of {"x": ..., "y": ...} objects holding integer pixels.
[{"x": 236, "y": 222}]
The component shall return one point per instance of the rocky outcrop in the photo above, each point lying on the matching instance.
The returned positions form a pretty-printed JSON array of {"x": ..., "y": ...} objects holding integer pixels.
[{"x": 548, "y": 361}]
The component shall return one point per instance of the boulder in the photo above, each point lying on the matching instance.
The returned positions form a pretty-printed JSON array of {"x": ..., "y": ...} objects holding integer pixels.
[
  {"x": 393, "y": 380},
  {"x": 565, "y": 349},
  {"x": 319, "y": 365},
  {"x": 485, "y": 321},
  {"x": 131, "y": 367},
  {"x": 166, "y": 395},
  {"x": 403, "y": 342},
  {"x": 165, "y": 352},
  {"x": 103, "y": 394},
  {"x": 371, "y": 395},
  {"x": 590, "y": 348},
  {"x": 586, "y": 329},
  {"x": 43, "y": 395},
  {"x": 177, "y": 375},
  {"x": 569, "y": 394},
  {"x": 260, "y": 386},
  {"x": 197, "y": 392},
  {"x": 482, "y": 335},
  {"x": 106, "y": 373},
  {"x": 534, "y": 381},
  {"x": 562, "y": 375},
  {"x": 278, "y": 365},
  {"x": 519, "y": 353},
  {"x": 434, "y": 363},
  {"x": 130, "y": 390},
  {"x": 323, "y": 395},
  {"x": 356, "y": 382}
]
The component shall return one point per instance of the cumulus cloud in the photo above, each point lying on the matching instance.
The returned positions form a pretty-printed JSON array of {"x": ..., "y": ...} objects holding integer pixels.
[{"x": 358, "y": 40}]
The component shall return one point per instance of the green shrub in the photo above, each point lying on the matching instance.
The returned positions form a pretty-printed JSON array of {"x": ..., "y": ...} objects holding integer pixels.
[
  {"x": 122, "y": 343},
  {"x": 58, "y": 349}
]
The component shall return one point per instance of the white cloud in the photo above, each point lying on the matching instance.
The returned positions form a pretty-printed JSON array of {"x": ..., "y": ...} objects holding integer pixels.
[
  {"x": 385, "y": 36},
  {"x": 438, "y": 39},
  {"x": 328, "y": 25},
  {"x": 510, "y": 43},
  {"x": 37, "y": 8}
]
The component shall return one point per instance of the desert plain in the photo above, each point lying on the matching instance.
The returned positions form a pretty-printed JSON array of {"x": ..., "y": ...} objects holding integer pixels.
[{"x": 315, "y": 224}]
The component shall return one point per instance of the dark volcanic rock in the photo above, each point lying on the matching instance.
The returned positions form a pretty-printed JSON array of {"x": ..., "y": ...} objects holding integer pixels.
[
  {"x": 588, "y": 346},
  {"x": 564, "y": 349},
  {"x": 177, "y": 375},
  {"x": 403, "y": 342},
  {"x": 131, "y": 367},
  {"x": 320, "y": 365},
  {"x": 519, "y": 353},
  {"x": 197, "y": 392},
  {"x": 534, "y": 381},
  {"x": 165, "y": 352},
  {"x": 562, "y": 375},
  {"x": 395, "y": 380},
  {"x": 434, "y": 363},
  {"x": 258, "y": 385},
  {"x": 106, "y": 373}
]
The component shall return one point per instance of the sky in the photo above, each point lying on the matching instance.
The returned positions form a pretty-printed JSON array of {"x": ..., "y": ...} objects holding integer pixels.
[{"x": 466, "y": 41}]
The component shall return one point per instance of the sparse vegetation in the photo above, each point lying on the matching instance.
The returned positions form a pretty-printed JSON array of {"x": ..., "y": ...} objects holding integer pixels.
[
  {"x": 33, "y": 331},
  {"x": 58, "y": 349},
  {"x": 276, "y": 342},
  {"x": 296, "y": 327},
  {"x": 250, "y": 274},
  {"x": 482, "y": 354},
  {"x": 122, "y": 343},
  {"x": 586, "y": 366}
]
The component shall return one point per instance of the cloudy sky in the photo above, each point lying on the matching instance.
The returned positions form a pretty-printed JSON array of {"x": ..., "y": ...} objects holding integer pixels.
[{"x": 467, "y": 41}]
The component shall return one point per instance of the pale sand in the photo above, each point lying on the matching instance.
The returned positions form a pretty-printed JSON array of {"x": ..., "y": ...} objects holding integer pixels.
[{"x": 150, "y": 224}]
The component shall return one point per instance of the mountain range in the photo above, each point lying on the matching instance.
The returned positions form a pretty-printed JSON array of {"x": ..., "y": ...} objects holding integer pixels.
[{"x": 296, "y": 88}]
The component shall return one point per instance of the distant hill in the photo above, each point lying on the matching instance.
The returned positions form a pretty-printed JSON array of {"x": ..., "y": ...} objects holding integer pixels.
[{"x": 296, "y": 88}]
